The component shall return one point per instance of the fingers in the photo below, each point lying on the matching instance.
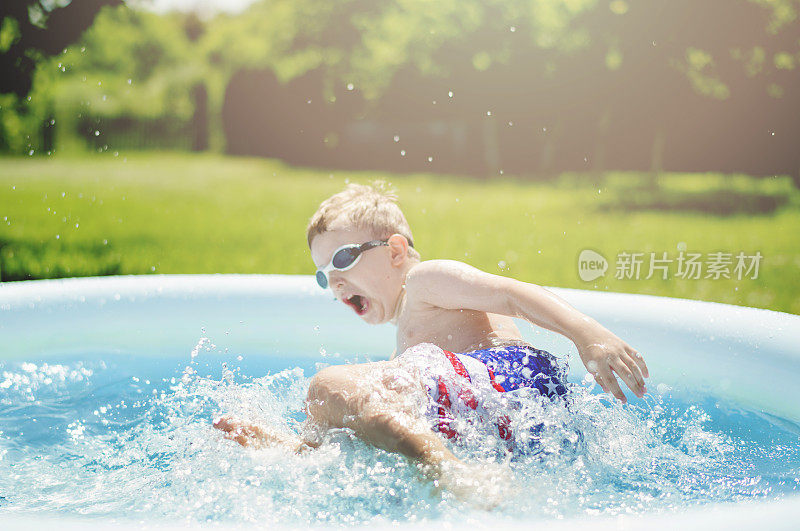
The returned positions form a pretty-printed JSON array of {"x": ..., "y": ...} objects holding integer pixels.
[
  {"x": 638, "y": 377},
  {"x": 639, "y": 360},
  {"x": 629, "y": 359},
  {"x": 628, "y": 376},
  {"x": 609, "y": 383}
]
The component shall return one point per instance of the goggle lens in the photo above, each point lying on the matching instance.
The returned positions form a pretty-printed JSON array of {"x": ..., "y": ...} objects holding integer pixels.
[{"x": 345, "y": 257}]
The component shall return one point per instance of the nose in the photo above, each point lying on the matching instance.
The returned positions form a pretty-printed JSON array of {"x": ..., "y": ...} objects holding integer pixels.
[{"x": 336, "y": 284}]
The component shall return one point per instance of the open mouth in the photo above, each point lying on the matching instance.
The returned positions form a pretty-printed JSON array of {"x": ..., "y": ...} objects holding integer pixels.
[{"x": 359, "y": 304}]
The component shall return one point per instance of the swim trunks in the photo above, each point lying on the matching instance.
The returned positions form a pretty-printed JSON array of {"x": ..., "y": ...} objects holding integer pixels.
[{"x": 461, "y": 383}]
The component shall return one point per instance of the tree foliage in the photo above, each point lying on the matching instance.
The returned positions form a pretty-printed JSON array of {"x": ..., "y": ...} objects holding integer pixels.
[{"x": 540, "y": 57}]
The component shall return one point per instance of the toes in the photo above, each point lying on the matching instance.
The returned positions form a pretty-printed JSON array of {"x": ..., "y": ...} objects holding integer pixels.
[{"x": 224, "y": 424}]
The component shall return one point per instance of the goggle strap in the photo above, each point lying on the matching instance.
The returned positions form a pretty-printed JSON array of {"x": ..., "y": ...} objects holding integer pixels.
[{"x": 371, "y": 244}]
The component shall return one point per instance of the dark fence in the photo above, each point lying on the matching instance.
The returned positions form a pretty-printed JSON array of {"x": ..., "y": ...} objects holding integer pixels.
[{"x": 420, "y": 125}]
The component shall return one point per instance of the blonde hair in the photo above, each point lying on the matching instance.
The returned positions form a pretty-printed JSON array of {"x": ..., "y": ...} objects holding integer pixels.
[{"x": 370, "y": 207}]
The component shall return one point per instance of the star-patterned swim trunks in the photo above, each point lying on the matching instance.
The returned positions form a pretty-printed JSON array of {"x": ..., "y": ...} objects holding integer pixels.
[
  {"x": 524, "y": 366},
  {"x": 458, "y": 383}
]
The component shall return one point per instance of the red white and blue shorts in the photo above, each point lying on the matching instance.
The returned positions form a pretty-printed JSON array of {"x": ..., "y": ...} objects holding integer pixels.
[{"x": 462, "y": 382}]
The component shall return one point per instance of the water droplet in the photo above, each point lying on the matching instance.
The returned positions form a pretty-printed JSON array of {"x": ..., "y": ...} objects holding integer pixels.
[
  {"x": 488, "y": 113},
  {"x": 513, "y": 29},
  {"x": 430, "y": 159},
  {"x": 130, "y": 81},
  {"x": 511, "y": 124},
  {"x": 397, "y": 138},
  {"x": 501, "y": 264},
  {"x": 96, "y": 133},
  {"x": 402, "y": 152},
  {"x": 450, "y": 94},
  {"x": 30, "y": 152},
  {"x": 350, "y": 86},
  {"x": 58, "y": 236}
]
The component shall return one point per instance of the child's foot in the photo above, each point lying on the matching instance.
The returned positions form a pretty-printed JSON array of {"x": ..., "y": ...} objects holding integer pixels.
[
  {"x": 241, "y": 432},
  {"x": 260, "y": 436}
]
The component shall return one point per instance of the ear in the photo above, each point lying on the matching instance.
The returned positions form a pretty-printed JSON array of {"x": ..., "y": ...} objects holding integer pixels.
[{"x": 398, "y": 248}]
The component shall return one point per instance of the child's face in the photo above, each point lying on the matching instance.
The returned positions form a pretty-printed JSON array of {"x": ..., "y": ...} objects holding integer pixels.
[{"x": 371, "y": 287}]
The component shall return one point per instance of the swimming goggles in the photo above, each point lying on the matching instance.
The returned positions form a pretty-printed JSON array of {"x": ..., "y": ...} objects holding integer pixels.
[{"x": 346, "y": 257}]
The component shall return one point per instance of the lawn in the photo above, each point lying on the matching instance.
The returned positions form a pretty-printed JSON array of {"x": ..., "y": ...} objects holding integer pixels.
[{"x": 186, "y": 213}]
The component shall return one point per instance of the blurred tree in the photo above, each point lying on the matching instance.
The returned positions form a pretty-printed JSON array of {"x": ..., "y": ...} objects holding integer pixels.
[
  {"x": 579, "y": 84},
  {"x": 33, "y": 29},
  {"x": 131, "y": 81},
  {"x": 484, "y": 85}
]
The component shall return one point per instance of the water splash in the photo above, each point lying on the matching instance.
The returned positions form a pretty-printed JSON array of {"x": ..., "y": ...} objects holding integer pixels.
[{"x": 104, "y": 438}]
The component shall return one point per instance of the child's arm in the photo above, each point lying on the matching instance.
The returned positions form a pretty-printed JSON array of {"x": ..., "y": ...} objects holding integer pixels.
[{"x": 455, "y": 285}]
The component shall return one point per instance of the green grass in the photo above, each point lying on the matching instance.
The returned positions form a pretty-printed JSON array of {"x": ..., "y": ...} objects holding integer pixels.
[{"x": 182, "y": 213}]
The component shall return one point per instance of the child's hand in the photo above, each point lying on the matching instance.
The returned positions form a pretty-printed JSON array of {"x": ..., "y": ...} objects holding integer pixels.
[{"x": 603, "y": 352}]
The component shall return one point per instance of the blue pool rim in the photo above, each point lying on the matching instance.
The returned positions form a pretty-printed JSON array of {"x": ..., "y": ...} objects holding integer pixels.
[{"x": 745, "y": 355}]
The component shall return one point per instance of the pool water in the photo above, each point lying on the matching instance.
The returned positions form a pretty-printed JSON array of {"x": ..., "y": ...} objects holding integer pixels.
[{"x": 130, "y": 437}]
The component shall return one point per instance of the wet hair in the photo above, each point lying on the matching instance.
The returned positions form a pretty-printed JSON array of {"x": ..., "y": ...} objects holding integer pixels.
[{"x": 371, "y": 207}]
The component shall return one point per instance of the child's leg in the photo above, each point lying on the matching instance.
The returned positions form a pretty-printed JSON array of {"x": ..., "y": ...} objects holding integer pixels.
[{"x": 378, "y": 412}]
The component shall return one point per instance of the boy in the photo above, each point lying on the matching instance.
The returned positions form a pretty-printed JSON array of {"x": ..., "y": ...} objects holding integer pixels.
[{"x": 456, "y": 337}]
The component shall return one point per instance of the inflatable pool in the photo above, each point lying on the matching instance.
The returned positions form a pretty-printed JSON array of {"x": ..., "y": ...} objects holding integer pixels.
[{"x": 108, "y": 386}]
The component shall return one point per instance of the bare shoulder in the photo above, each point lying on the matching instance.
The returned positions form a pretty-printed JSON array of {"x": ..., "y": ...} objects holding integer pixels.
[
  {"x": 451, "y": 284},
  {"x": 430, "y": 280},
  {"x": 435, "y": 271}
]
